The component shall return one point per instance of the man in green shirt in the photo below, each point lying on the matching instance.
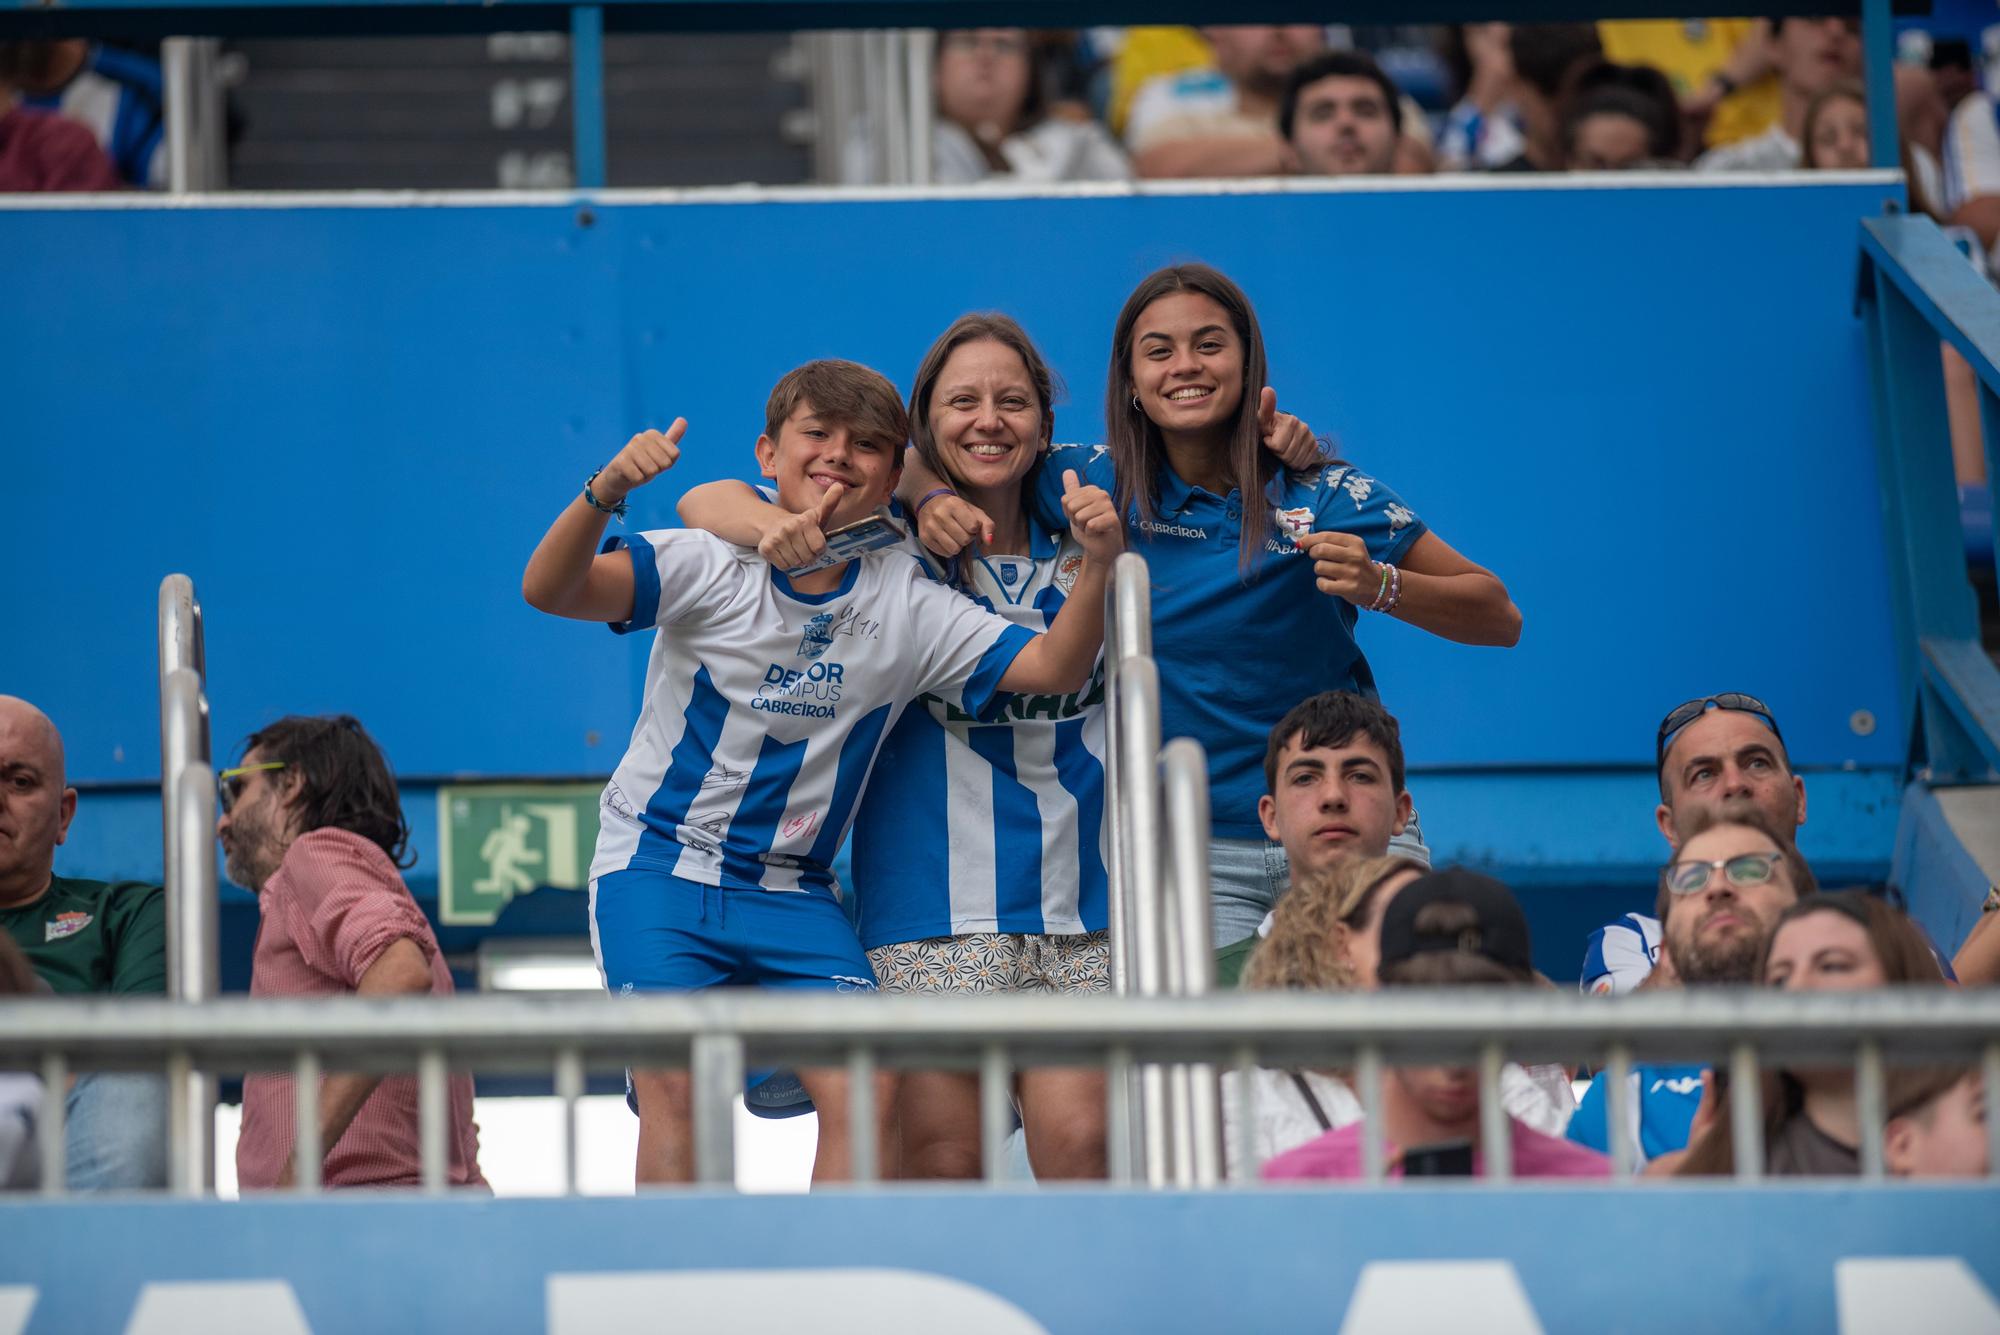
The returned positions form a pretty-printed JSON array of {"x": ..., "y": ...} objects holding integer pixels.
[{"x": 81, "y": 937}]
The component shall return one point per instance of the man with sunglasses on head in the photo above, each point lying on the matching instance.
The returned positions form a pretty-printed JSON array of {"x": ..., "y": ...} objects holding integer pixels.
[
  {"x": 312, "y": 823},
  {"x": 1720, "y": 755},
  {"x": 1719, "y": 899},
  {"x": 81, "y": 937}
]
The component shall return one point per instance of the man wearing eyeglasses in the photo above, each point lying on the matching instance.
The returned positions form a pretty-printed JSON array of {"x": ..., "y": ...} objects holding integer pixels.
[
  {"x": 312, "y": 823},
  {"x": 1719, "y": 899},
  {"x": 1720, "y": 755},
  {"x": 82, "y": 937}
]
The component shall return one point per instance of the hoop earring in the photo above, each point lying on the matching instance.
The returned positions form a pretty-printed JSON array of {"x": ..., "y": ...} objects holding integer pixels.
[{"x": 1135, "y": 404}]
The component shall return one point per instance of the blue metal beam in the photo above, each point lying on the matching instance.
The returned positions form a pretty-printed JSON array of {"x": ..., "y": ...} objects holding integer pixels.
[
  {"x": 586, "y": 94},
  {"x": 52, "y": 18},
  {"x": 1920, "y": 263},
  {"x": 1878, "y": 37}
]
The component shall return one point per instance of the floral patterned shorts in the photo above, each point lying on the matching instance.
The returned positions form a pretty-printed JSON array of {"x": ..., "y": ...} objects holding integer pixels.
[{"x": 996, "y": 962}]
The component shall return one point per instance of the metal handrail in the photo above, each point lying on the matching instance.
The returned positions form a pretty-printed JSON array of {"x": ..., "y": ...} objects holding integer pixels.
[
  {"x": 717, "y": 1033},
  {"x": 1915, "y": 291},
  {"x": 1158, "y": 864},
  {"x": 187, "y": 817}
]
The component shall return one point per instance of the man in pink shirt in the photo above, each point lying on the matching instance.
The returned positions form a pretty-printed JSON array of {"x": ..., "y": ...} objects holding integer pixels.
[
  {"x": 40, "y": 150},
  {"x": 312, "y": 823},
  {"x": 1447, "y": 928}
]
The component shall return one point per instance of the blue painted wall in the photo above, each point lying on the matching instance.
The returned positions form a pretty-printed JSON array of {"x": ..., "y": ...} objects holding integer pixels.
[
  {"x": 1591, "y": 1258},
  {"x": 1646, "y": 408}
]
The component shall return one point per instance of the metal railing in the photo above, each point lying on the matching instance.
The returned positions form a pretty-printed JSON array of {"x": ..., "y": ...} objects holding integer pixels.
[
  {"x": 1917, "y": 290},
  {"x": 187, "y": 806},
  {"x": 1165, "y": 1120},
  {"x": 717, "y": 1034}
]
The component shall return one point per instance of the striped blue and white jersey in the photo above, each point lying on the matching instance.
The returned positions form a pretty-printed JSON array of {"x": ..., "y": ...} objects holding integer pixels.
[
  {"x": 972, "y": 826},
  {"x": 764, "y": 707},
  {"x": 1620, "y": 955}
]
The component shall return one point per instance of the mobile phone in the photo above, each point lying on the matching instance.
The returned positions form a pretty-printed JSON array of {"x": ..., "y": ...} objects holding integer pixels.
[
  {"x": 1446, "y": 1158},
  {"x": 869, "y": 534}
]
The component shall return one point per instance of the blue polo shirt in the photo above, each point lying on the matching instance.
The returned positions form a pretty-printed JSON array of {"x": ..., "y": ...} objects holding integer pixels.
[{"x": 1236, "y": 648}]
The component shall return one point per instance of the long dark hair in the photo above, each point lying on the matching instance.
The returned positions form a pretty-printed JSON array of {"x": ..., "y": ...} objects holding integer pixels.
[
  {"x": 1136, "y": 448},
  {"x": 972, "y": 328},
  {"x": 1906, "y": 958},
  {"x": 344, "y": 779}
]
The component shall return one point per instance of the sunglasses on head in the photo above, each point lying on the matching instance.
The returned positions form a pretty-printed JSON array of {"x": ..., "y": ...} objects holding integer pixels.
[
  {"x": 1682, "y": 715},
  {"x": 1690, "y": 877},
  {"x": 229, "y": 783}
]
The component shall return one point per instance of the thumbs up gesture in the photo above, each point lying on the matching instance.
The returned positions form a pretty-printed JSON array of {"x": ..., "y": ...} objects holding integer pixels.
[
  {"x": 1093, "y": 518},
  {"x": 797, "y": 540},
  {"x": 1285, "y": 435},
  {"x": 645, "y": 457}
]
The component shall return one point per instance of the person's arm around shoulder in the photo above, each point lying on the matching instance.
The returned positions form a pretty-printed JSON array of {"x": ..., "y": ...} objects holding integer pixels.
[
  {"x": 566, "y": 576},
  {"x": 1059, "y": 660},
  {"x": 734, "y": 512},
  {"x": 402, "y": 969}
]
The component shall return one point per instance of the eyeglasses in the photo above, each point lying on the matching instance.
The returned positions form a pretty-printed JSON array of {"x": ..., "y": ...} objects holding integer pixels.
[
  {"x": 229, "y": 783},
  {"x": 1682, "y": 715},
  {"x": 1745, "y": 869}
]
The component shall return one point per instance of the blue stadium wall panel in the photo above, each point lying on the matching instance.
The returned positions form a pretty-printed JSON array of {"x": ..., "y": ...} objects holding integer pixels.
[
  {"x": 1463, "y": 1258},
  {"x": 1645, "y": 407}
]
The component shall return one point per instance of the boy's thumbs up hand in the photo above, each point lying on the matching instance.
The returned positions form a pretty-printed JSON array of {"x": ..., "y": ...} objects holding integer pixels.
[
  {"x": 645, "y": 457},
  {"x": 797, "y": 540}
]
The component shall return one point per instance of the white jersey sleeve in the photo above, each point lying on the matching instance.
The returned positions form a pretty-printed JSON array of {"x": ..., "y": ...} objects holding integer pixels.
[
  {"x": 679, "y": 577},
  {"x": 963, "y": 649},
  {"x": 1620, "y": 955}
]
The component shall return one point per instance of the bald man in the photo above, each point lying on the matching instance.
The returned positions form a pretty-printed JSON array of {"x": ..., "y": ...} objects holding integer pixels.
[{"x": 81, "y": 937}]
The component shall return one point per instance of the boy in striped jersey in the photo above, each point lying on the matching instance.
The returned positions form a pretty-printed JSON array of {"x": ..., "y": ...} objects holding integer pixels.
[{"x": 766, "y": 701}]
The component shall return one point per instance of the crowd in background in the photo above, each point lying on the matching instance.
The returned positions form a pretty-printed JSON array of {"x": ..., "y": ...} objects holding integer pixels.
[{"x": 1250, "y": 101}]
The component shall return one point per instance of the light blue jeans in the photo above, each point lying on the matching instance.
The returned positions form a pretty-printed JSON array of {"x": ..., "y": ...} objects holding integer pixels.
[
  {"x": 1246, "y": 876},
  {"x": 117, "y": 1125}
]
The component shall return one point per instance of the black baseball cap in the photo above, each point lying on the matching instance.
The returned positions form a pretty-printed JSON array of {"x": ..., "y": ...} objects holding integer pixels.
[{"x": 1501, "y": 935}]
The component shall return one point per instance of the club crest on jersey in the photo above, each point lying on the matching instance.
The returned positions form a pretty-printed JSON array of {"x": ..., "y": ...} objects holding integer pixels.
[
  {"x": 818, "y": 637},
  {"x": 1297, "y": 522},
  {"x": 64, "y": 924},
  {"x": 1010, "y": 573},
  {"x": 1067, "y": 570}
]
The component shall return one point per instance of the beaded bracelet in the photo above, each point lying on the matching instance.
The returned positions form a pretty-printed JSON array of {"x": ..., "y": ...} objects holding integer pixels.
[
  {"x": 1395, "y": 590},
  {"x": 1382, "y": 593},
  {"x": 617, "y": 511}
]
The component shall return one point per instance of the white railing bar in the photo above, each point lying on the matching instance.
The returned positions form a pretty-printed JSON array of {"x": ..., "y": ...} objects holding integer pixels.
[
  {"x": 1746, "y": 1112},
  {"x": 569, "y": 1088},
  {"x": 920, "y": 46},
  {"x": 1415, "y": 1025},
  {"x": 308, "y": 1155},
  {"x": 1619, "y": 1106},
  {"x": 995, "y": 1121},
  {"x": 1118, "y": 1116},
  {"x": 1368, "y": 1088},
  {"x": 716, "y": 1060},
  {"x": 1138, "y": 742},
  {"x": 1868, "y": 1100},
  {"x": 1245, "y": 1167},
  {"x": 433, "y": 1119},
  {"x": 52, "y": 1130},
  {"x": 194, "y": 968},
  {"x": 864, "y": 1139},
  {"x": 1496, "y": 1129}
]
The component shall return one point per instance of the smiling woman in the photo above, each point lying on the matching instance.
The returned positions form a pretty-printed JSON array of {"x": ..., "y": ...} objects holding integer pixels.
[{"x": 1263, "y": 550}]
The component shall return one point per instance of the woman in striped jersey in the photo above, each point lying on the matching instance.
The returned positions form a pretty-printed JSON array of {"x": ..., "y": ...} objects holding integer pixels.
[{"x": 976, "y": 846}]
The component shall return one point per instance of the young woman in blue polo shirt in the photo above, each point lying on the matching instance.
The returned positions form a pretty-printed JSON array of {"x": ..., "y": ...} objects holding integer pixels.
[{"x": 1260, "y": 571}]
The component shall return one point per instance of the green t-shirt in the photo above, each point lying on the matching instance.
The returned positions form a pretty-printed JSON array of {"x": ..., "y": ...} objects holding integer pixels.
[
  {"x": 90, "y": 936},
  {"x": 1230, "y": 962}
]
